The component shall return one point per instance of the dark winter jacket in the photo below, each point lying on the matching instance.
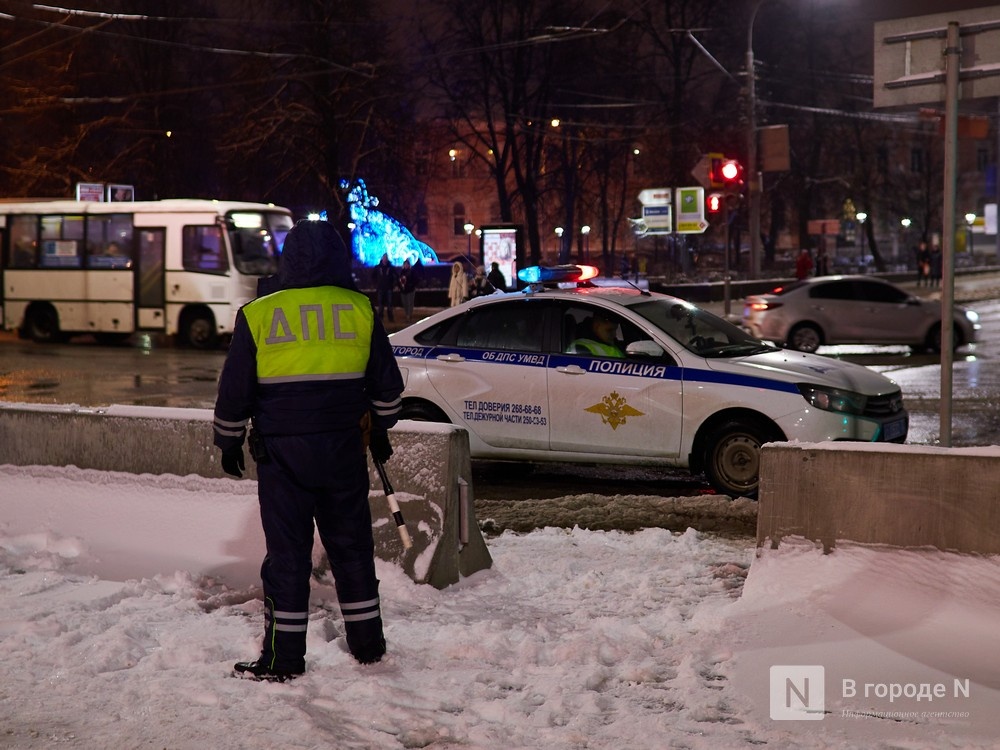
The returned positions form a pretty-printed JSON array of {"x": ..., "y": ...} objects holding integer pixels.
[{"x": 309, "y": 357}]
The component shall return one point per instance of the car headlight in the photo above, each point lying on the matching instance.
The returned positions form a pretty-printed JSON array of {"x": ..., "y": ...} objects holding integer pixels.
[
  {"x": 972, "y": 316},
  {"x": 833, "y": 399}
]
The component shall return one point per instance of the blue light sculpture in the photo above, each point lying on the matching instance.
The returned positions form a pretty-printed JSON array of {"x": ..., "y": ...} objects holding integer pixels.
[{"x": 376, "y": 234}]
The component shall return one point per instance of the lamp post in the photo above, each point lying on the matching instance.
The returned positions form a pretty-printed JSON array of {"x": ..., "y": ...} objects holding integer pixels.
[
  {"x": 585, "y": 231},
  {"x": 970, "y": 220},
  {"x": 753, "y": 186},
  {"x": 862, "y": 217},
  {"x": 905, "y": 224},
  {"x": 468, "y": 235},
  {"x": 559, "y": 234}
]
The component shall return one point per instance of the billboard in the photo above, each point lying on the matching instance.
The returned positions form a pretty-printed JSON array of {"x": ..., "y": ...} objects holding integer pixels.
[{"x": 501, "y": 244}]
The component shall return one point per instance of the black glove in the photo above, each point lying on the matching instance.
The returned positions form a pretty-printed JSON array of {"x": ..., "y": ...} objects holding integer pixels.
[
  {"x": 380, "y": 447},
  {"x": 232, "y": 461}
]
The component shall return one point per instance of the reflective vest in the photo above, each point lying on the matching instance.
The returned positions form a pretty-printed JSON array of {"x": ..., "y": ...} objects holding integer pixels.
[
  {"x": 312, "y": 334},
  {"x": 597, "y": 348}
]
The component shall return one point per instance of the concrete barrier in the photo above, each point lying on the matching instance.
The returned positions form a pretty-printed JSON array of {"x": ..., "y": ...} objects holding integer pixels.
[
  {"x": 879, "y": 493},
  {"x": 431, "y": 473}
]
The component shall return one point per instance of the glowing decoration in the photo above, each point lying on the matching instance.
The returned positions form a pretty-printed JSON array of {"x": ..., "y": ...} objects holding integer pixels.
[{"x": 375, "y": 234}]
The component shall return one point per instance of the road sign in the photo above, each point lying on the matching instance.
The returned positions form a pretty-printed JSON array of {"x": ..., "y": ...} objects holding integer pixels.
[
  {"x": 656, "y": 197},
  {"x": 909, "y": 59},
  {"x": 691, "y": 210},
  {"x": 658, "y": 217},
  {"x": 704, "y": 171}
]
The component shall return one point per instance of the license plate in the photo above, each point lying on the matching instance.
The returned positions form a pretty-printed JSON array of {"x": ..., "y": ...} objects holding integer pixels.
[{"x": 893, "y": 430}]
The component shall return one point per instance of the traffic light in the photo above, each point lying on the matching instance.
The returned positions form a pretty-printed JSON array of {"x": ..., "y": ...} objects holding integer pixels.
[
  {"x": 713, "y": 203},
  {"x": 724, "y": 172},
  {"x": 731, "y": 172}
]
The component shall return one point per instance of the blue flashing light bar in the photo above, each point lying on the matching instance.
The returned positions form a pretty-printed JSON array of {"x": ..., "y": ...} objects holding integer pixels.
[{"x": 556, "y": 274}]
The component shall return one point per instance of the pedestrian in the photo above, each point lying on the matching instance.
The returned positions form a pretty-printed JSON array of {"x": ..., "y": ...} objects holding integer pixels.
[
  {"x": 623, "y": 267},
  {"x": 407, "y": 289},
  {"x": 803, "y": 264},
  {"x": 458, "y": 287},
  {"x": 480, "y": 287},
  {"x": 384, "y": 277},
  {"x": 496, "y": 278},
  {"x": 923, "y": 264},
  {"x": 822, "y": 262},
  {"x": 934, "y": 267},
  {"x": 311, "y": 365}
]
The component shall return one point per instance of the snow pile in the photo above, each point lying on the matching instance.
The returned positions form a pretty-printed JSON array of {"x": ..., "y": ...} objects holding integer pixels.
[{"x": 575, "y": 639}]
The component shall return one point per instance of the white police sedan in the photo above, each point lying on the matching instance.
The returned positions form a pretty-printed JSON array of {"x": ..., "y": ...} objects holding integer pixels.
[{"x": 618, "y": 375}]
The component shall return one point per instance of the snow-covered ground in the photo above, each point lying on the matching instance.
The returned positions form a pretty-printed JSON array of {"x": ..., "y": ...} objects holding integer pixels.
[{"x": 574, "y": 639}]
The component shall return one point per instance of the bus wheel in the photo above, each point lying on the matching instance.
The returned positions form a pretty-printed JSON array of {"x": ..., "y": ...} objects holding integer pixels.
[
  {"x": 197, "y": 330},
  {"x": 42, "y": 325}
]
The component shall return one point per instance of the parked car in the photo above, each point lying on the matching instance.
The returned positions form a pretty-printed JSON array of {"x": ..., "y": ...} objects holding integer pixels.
[
  {"x": 829, "y": 310},
  {"x": 537, "y": 375}
]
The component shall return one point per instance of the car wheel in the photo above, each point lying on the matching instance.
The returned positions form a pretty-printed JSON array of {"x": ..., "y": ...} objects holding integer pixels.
[
  {"x": 805, "y": 337},
  {"x": 422, "y": 412},
  {"x": 933, "y": 340},
  {"x": 732, "y": 458}
]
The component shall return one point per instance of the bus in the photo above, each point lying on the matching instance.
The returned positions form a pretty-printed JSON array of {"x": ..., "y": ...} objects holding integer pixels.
[{"x": 182, "y": 267}]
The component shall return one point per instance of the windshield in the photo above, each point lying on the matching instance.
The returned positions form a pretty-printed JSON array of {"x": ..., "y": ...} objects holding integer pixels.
[
  {"x": 699, "y": 331},
  {"x": 257, "y": 238}
]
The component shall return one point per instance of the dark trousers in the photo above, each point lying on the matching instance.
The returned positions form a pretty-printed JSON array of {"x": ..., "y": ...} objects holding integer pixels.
[
  {"x": 384, "y": 302},
  {"x": 321, "y": 477}
]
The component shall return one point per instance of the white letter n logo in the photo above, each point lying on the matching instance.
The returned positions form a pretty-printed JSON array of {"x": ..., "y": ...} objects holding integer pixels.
[{"x": 797, "y": 693}]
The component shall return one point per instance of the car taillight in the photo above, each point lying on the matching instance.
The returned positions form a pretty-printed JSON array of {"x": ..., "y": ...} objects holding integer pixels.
[{"x": 762, "y": 306}]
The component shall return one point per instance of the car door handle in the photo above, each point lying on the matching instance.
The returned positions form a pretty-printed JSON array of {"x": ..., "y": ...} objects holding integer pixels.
[
  {"x": 571, "y": 370},
  {"x": 451, "y": 357}
]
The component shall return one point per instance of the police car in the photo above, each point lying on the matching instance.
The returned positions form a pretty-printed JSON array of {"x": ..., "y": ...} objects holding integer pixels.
[{"x": 669, "y": 384}]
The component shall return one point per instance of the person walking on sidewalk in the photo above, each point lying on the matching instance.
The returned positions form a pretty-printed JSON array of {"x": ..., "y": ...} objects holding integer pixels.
[
  {"x": 458, "y": 287},
  {"x": 312, "y": 366},
  {"x": 923, "y": 264},
  {"x": 407, "y": 289},
  {"x": 496, "y": 277},
  {"x": 935, "y": 266},
  {"x": 384, "y": 277}
]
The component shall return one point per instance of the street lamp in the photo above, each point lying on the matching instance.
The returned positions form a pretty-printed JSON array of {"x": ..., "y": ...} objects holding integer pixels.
[
  {"x": 862, "y": 217},
  {"x": 970, "y": 220},
  {"x": 905, "y": 224},
  {"x": 559, "y": 233},
  {"x": 468, "y": 234},
  {"x": 753, "y": 186},
  {"x": 585, "y": 231}
]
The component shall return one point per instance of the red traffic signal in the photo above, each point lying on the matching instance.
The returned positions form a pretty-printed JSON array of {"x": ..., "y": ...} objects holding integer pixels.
[
  {"x": 731, "y": 172},
  {"x": 724, "y": 173},
  {"x": 713, "y": 202}
]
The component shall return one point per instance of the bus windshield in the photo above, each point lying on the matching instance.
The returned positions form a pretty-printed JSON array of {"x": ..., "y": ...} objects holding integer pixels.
[{"x": 256, "y": 238}]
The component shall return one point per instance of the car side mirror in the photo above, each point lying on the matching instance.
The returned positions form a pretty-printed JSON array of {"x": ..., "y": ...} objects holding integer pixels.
[{"x": 644, "y": 348}]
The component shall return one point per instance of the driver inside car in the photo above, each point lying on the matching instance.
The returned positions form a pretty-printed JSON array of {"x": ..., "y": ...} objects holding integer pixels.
[{"x": 598, "y": 337}]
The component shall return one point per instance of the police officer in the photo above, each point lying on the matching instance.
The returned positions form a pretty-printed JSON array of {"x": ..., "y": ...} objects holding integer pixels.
[
  {"x": 310, "y": 364},
  {"x": 598, "y": 339}
]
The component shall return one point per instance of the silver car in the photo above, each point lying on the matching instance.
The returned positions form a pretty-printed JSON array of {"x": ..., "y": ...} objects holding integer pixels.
[{"x": 829, "y": 310}]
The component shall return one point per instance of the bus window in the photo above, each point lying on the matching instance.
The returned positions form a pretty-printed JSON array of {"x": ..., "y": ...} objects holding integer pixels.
[
  {"x": 109, "y": 241},
  {"x": 23, "y": 241},
  {"x": 203, "y": 250},
  {"x": 256, "y": 240},
  {"x": 61, "y": 241}
]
